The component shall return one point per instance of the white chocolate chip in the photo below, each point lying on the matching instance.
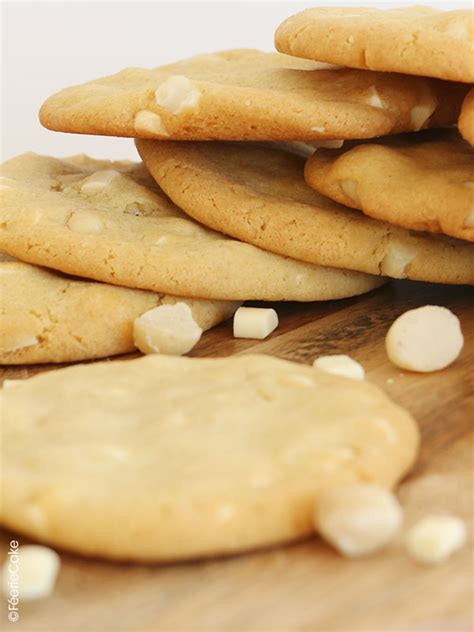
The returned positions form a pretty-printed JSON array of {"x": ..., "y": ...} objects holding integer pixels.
[
  {"x": 177, "y": 94},
  {"x": 396, "y": 260},
  {"x": 425, "y": 339},
  {"x": 248, "y": 103},
  {"x": 38, "y": 568},
  {"x": 340, "y": 365},
  {"x": 149, "y": 123},
  {"x": 85, "y": 222},
  {"x": 98, "y": 181},
  {"x": 168, "y": 329},
  {"x": 350, "y": 188},
  {"x": 350, "y": 39},
  {"x": 16, "y": 345},
  {"x": 434, "y": 538},
  {"x": 357, "y": 518},
  {"x": 374, "y": 98},
  {"x": 318, "y": 128},
  {"x": 420, "y": 115},
  {"x": 254, "y": 322}
]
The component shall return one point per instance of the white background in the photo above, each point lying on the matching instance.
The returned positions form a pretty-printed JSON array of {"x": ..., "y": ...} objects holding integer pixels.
[{"x": 47, "y": 46}]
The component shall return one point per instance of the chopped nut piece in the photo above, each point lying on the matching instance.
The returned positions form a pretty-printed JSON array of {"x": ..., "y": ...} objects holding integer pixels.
[
  {"x": 168, "y": 329},
  {"x": 349, "y": 188},
  {"x": 396, "y": 260},
  {"x": 177, "y": 94},
  {"x": 434, "y": 538},
  {"x": 374, "y": 98},
  {"x": 38, "y": 568},
  {"x": 357, "y": 518},
  {"x": 340, "y": 365},
  {"x": 254, "y": 322},
  {"x": 98, "y": 181},
  {"x": 149, "y": 123},
  {"x": 86, "y": 223},
  {"x": 425, "y": 339},
  {"x": 420, "y": 115}
]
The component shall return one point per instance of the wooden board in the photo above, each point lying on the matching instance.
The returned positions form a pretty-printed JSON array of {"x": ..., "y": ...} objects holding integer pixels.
[{"x": 307, "y": 586}]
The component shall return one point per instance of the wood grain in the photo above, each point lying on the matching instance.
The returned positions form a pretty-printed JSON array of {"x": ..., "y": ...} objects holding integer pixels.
[{"x": 307, "y": 586}]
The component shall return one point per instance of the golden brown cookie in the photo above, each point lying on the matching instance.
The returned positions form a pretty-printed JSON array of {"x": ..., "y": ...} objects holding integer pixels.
[
  {"x": 258, "y": 194},
  {"x": 420, "y": 181},
  {"x": 49, "y": 317},
  {"x": 466, "y": 118},
  {"x": 411, "y": 40},
  {"x": 250, "y": 95},
  {"x": 166, "y": 458},
  {"x": 110, "y": 222}
]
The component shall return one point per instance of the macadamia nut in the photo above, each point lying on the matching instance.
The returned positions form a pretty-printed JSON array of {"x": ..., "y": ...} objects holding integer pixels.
[
  {"x": 425, "y": 339},
  {"x": 357, "y": 518},
  {"x": 168, "y": 329},
  {"x": 340, "y": 365},
  {"x": 434, "y": 538},
  {"x": 38, "y": 568}
]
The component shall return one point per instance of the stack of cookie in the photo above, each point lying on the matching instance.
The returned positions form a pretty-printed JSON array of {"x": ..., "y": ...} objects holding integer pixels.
[
  {"x": 193, "y": 457},
  {"x": 217, "y": 223}
]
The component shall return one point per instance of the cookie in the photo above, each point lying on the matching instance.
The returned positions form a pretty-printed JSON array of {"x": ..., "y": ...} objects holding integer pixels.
[
  {"x": 250, "y": 95},
  {"x": 192, "y": 457},
  {"x": 259, "y": 195},
  {"x": 412, "y": 40},
  {"x": 419, "y": 181},
  {"x": 466, "y": 118},
  {"x": 49, "y": 317},
  {"x": 110, "y": 222}
]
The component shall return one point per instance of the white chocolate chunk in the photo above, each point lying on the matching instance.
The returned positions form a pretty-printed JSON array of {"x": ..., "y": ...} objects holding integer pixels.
[
  {"x": 85, "y": 222},
  {"x": 374, "y": 98},
  {"x": 149, "y": 123},
  {"x": 469, "y": 219},
  {"x": 425, "y": 339},
  {"x": 357, "y": 518},
  {"x": 318, "y": 128},
  {"x": 168, "y": 329},
  {"x": 349, "y": 188},
  {"x": 177, "y": 94},
  {"x": 396, "y": 260},
  {"x": 254, "y": 322},
  {"x": 38, "y": 568},
  {"x": 340, "y": 365},
  {"x": 420, "y": 115},
  {"x": 434, "y": 538},
  {"x": 98, "y": 181},
  {"x": 21, "y": 343}
]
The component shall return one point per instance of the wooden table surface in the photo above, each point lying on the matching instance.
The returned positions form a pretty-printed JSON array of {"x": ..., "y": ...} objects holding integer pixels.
[{"x": 307, "y": 586}]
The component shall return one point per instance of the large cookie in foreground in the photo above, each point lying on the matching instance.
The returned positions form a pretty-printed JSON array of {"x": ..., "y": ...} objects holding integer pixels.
[
  {"x": 258, "y": 194},
  {"x": 48, "y": 317},
  {"x": 110, "y": 222},
  {"x": 411, "y": 40},
  {"x": 250, "y": 95},
  {"x": 175, "y": 458},
  {"x": 419, "y": 181}
]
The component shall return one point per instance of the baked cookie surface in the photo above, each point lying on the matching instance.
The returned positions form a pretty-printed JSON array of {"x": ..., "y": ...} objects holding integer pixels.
[
  {"x": 166, "y": 458},
  {"x": 413, "y": 40},
  {"x": 466, "y": 118},
  {"x": 110, "y": 222},
  {"x": 48, "y": 317},
  {"x": 421, "y": 182},
  {"x": 258, "y": 194},
  {"x": 251, "y": 95}
]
